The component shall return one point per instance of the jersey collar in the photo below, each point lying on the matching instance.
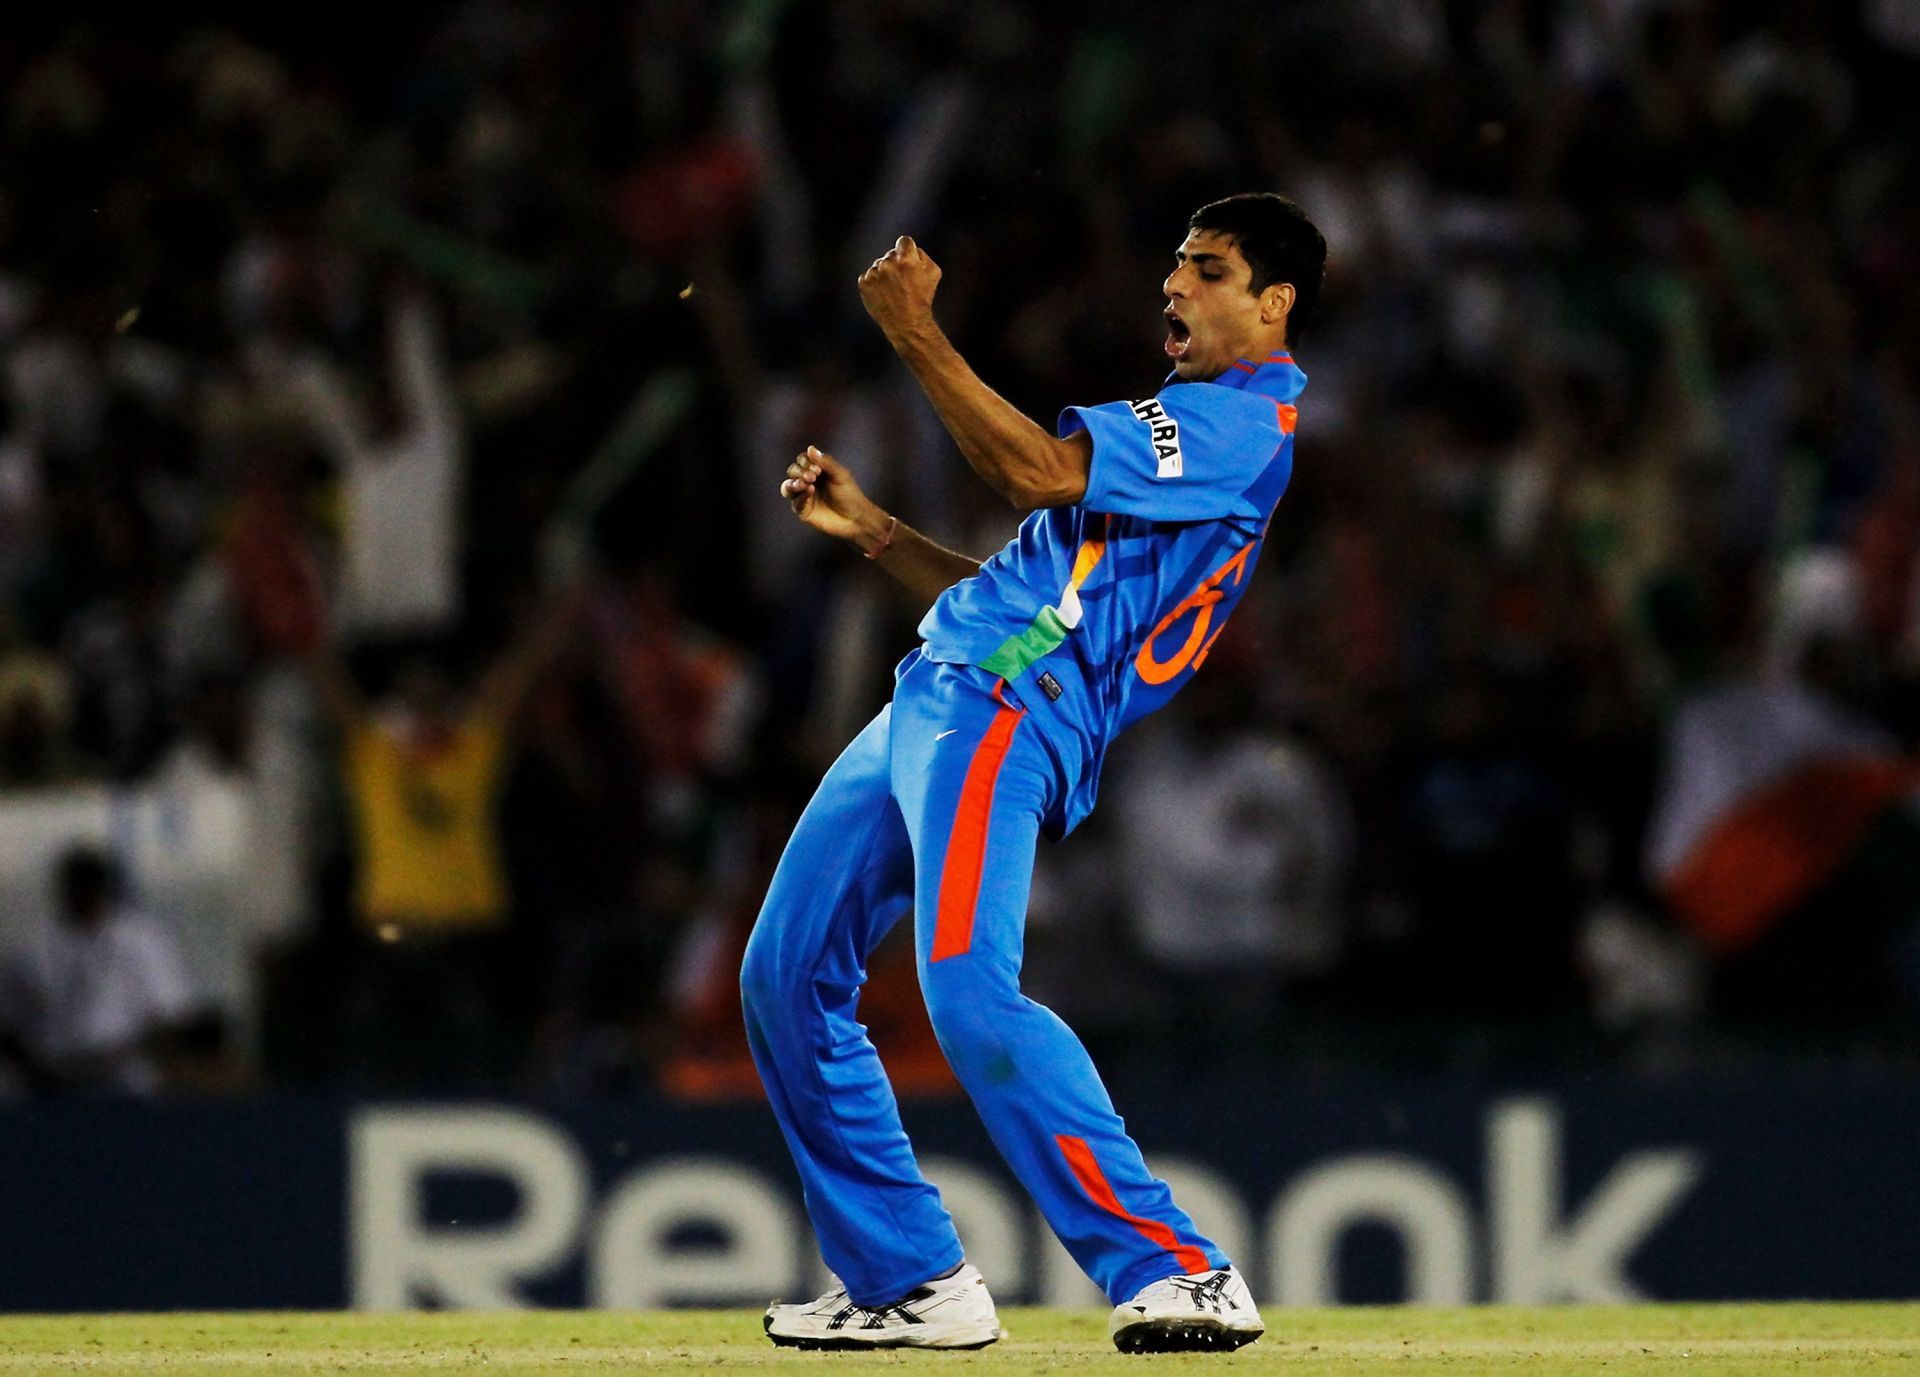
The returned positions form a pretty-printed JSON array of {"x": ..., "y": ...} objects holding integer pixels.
[{"x": 1276, "y": 376}]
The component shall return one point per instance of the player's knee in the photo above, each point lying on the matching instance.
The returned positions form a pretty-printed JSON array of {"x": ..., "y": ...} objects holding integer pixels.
[
  {"x": 967, "y": 1017},
  {"x": 767, "y": 982}
]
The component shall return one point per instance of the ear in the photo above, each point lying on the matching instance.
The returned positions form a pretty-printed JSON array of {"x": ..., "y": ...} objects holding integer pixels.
[{"x": 1276, "y": 302}]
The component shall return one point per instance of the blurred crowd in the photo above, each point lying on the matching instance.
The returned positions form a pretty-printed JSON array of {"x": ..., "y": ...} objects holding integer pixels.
[{"x": 402, "y": 637}]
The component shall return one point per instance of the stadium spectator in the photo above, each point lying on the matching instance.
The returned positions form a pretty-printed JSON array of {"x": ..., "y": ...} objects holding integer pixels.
[
  {"x": 35, "y": 689},
  {"x": 91, "y": 1002},
  {"x": 1233, "y": 844},
  {"x": 423, "y": 771},
  {"x": 399, "y": 456},
  {"x": 1619, "y": 317}
]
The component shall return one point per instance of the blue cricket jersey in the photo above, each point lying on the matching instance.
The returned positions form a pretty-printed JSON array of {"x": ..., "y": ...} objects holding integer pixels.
[{"x": 1110, "y": 605}]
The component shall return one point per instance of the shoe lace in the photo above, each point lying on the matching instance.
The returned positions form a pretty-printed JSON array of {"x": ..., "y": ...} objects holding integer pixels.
[
  {"x": 1211, "y": 1292},
  {"x": 875, "y": 1316}
]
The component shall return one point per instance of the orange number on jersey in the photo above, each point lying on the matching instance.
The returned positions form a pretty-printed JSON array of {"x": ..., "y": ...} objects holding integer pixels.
[{"x": 1200, "y": 601}]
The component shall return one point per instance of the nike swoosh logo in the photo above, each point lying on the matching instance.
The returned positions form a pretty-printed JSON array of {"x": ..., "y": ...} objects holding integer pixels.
[{"x": 947, "y": 733}]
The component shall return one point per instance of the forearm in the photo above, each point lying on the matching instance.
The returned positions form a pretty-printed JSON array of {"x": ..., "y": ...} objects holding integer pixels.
[
  {"x": 1014, "y": 456},
  {"x": 918, "y": 564},
  {"x": 548, "y": 630}
]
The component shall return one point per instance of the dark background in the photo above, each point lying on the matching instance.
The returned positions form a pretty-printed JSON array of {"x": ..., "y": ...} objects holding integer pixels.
[{"x": 1612, "y": 409}]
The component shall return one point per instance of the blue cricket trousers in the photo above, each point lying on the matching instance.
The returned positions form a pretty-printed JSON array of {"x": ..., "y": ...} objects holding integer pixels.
[{"x": 936, "y": 807}]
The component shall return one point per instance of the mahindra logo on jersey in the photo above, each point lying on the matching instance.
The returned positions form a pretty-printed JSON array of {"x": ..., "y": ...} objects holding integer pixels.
[{"x": 1166, "y": 436}]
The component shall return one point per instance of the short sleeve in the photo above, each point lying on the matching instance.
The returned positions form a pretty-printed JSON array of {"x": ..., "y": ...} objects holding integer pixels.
[{"x": 1189, "y": 454}]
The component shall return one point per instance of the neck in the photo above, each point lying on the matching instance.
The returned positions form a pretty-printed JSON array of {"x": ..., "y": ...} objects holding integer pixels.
[{"x": 1271, "y": 342}]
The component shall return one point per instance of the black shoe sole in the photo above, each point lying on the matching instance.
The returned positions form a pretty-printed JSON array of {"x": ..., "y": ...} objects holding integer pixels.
[
  {"x": 855, "y": 1346},
  {"x": 861, "y": 1346},
  {"x": 1182, "y": 1336}
]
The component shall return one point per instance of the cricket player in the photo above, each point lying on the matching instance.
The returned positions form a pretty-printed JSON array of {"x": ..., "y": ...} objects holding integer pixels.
[{"x": 1146, "y": 519}]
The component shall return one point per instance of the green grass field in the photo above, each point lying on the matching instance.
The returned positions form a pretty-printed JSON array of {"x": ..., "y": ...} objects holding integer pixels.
[
  {"x": 1575, "y": 1339},
  {"x": 1693, "y": 1339}
]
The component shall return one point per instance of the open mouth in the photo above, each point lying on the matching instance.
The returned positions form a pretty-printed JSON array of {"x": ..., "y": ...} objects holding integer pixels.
[{"x": 1179, "y": 337}]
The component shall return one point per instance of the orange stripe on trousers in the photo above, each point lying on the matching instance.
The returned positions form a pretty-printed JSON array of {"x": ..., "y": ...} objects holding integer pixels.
[
  {"x": 1094, "y": 1182},
  {"x": 967, "y": 842}
]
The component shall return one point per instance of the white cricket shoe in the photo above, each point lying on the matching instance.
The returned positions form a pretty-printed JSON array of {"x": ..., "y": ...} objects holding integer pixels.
[
  {"x": 950, "y": 1312},
  {"x": 1211, "y": 1311}
]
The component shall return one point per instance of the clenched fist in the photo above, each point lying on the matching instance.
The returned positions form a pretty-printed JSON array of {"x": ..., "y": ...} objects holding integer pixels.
[
  {"x": 898, "y": 289},
  {"x": 823, "y": 493}
]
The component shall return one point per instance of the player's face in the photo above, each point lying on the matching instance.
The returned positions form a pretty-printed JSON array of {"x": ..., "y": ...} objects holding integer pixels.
[{"x": 1212, "y": 319}]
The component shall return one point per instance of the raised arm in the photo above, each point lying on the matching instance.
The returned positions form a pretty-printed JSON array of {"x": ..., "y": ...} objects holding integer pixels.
[
  {"x": 823, "y": 493},
  {"x": 333, "y": 684},
  {"x": 1017, "y": 458},
  {"x": 547, "y": 632}
]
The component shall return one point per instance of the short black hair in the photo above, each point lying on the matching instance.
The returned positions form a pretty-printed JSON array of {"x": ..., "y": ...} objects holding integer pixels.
[
  {"x": 1279, "y": 243},
  {"x": 87, "y": 876}
]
